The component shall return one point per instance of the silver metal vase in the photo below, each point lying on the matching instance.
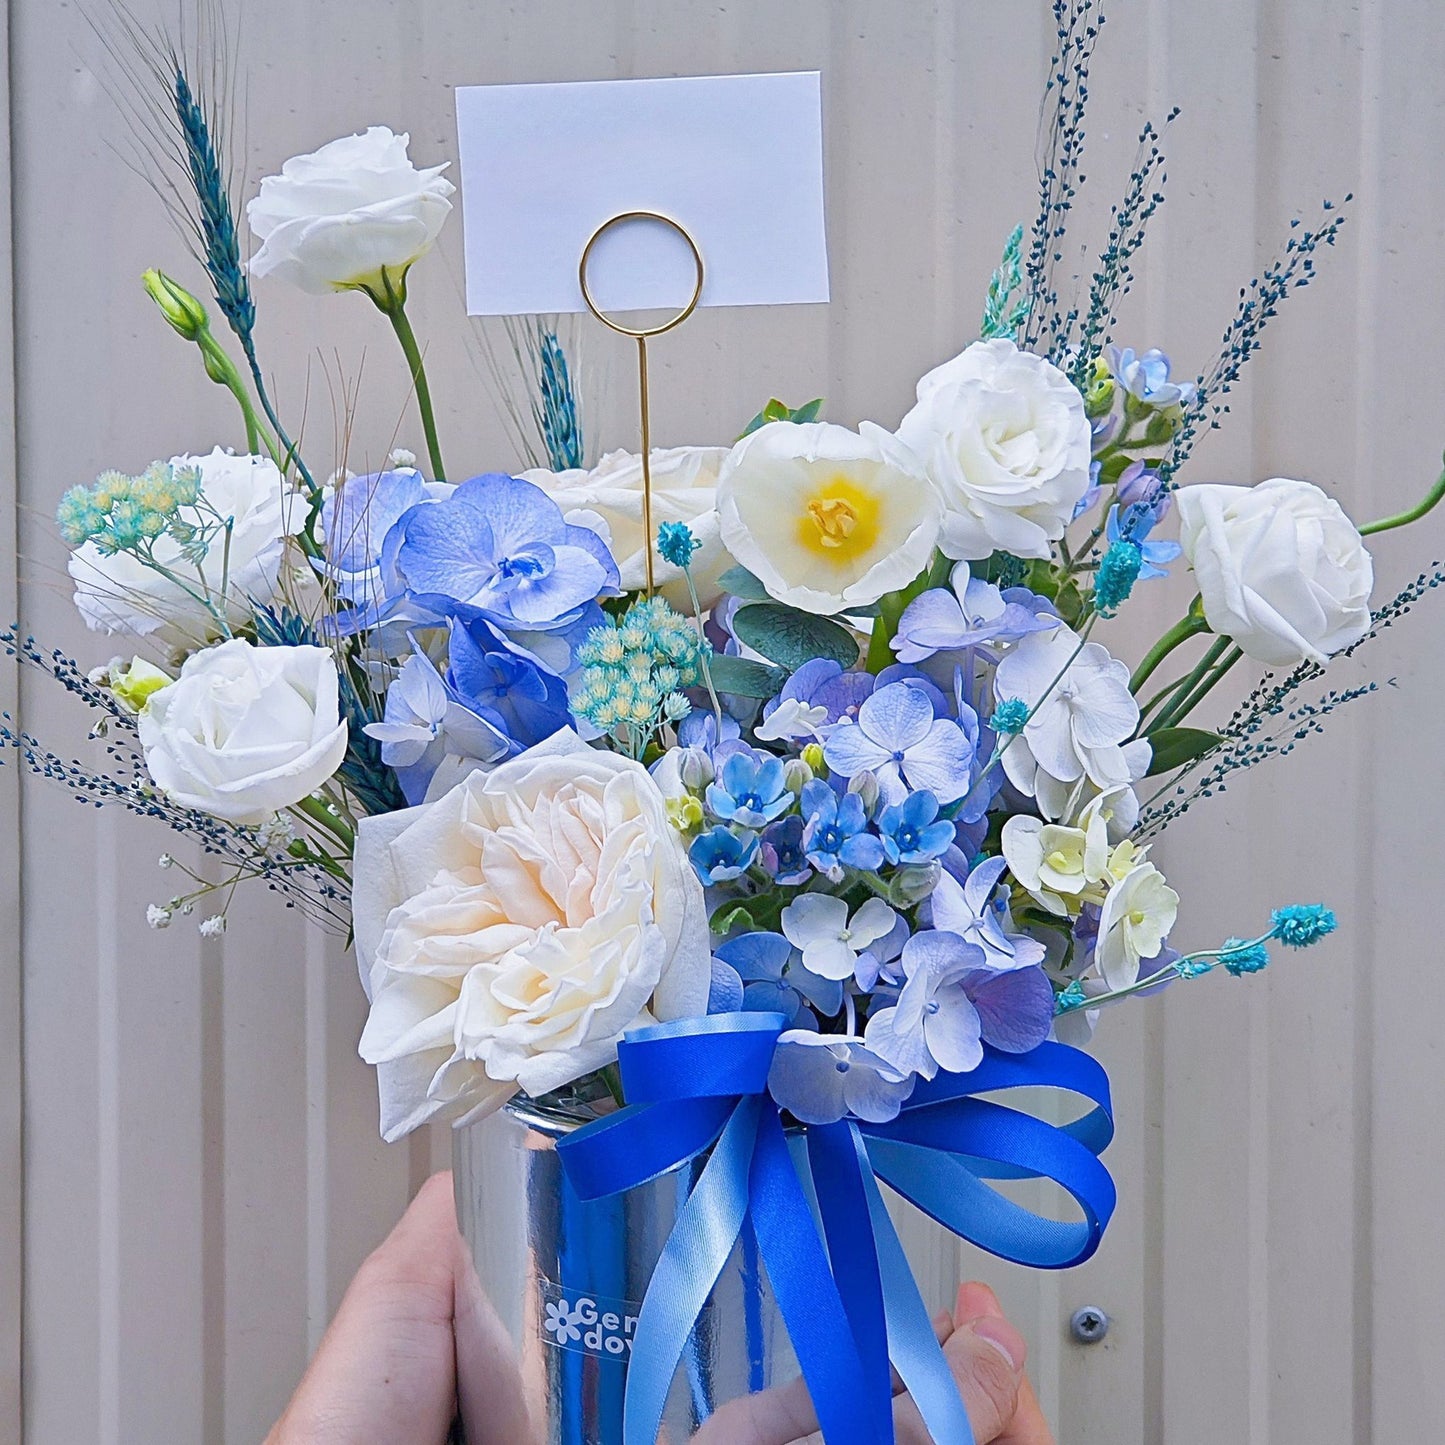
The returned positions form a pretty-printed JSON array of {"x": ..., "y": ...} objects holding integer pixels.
[{"x": 545, "y": 1330}]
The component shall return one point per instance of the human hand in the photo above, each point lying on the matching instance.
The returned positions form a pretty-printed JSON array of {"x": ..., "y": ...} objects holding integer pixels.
[{"x": 413, "y": 1323}]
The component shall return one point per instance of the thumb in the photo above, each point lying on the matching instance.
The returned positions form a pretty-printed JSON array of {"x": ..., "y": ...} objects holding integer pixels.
[{"x": 987, "y": 1355}]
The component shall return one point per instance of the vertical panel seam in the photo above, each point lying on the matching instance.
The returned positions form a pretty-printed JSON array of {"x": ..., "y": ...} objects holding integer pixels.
[
  {"x": 1363, "y": 1083},
  {"x": 12, "y": 1021}
]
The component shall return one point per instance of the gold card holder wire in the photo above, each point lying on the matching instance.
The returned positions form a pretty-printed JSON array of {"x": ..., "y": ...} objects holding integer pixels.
[{"x": 641, "y": 335}]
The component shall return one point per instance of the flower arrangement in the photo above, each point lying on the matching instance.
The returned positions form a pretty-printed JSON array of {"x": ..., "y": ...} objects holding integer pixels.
[{"x": 862, "y": 768}]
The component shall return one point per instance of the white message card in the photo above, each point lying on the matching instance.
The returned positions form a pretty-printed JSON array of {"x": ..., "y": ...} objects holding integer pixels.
[{"x": 736, "y": 159}]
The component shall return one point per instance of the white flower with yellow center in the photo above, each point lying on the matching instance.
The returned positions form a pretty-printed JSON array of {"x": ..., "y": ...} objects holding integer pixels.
[
  {"x": 1060, "y": 867},
  {"x": 1136, "y": 918},
  {"x": 827, "y": 518}
]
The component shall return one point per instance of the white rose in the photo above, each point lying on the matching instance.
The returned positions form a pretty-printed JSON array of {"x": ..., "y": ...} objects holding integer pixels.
[
  {"x": 336, "y": 218},
  {"x": 1280, "y": 567},
  {"x": 121, "y": 594},
  {"x": 245, "y": 731},
  {"x": 827, "y": 518},
  {"x": 511, "y": 931},
  {"x": 684, "y": 485},
  {"x": 1003, "y": 436}
]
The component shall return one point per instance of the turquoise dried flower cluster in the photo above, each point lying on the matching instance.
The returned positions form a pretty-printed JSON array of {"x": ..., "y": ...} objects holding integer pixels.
[
  {"x": 634, "y": 670},
  {"x": 121, "y": 513}
]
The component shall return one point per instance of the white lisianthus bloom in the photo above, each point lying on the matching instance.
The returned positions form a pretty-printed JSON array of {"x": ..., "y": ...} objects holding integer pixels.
[
  {"x": 1004, "y": 438},
  {"x": 1280, "y": 567},
  {"x": 1138, "y": 913},
  {"x": 511, "y": 931},
  {"x": 120, "y": 594},
  {"x": 1082, "y": 713},
  {"x": 335, "y": 219},
  {"x": 827, "y": 518},
  {"x": 245, "y": 731},
  {"x": 684, "y": 486}
]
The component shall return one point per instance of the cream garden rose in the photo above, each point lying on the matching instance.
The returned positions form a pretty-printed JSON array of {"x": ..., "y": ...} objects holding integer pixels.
[
  {"x": 118, "y": 593},
  {"x": 335, "y": 219},
  {"x": 245, "y": 731},
  {"x": 684, "y": 488},
  {"x": 510, "y": 932},
  {"x": 1281, "y": 569},
  {"x": 1003, "y": 436},
  {"x": 827, "y": 518}
]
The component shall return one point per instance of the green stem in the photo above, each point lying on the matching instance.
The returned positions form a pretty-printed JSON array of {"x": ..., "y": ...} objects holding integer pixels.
[
  {"x": 323, "y": 817},
  {"x": 1403, "y": 519},
  {"x": 1190, "y": 625},
  {"x": 1181, "y": 686},
  {"x": 220, "y": 368},
  {"x": 393, "y": 303},
  {"x": 1182, "y": 706}
]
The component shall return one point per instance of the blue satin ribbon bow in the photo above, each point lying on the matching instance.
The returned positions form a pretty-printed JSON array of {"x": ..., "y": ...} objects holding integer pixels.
[{"x": 852, "y": 1306}]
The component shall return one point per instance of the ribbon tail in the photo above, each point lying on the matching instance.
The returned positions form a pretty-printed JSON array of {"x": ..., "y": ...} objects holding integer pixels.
[
  {"x": 808, "y": 1299},
  {"x": 917, "y": 1355},
  {"x": 838, "y": 1161},
  {"x": 702, "y": 1238}
]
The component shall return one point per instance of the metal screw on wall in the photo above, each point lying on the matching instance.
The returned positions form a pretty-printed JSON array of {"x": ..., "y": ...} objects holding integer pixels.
[{"x": 1088, "y": 1324}]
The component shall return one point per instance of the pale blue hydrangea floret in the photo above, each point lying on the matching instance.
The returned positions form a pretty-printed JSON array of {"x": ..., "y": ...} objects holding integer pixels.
[
  {"x": 635, "y": 668},
  {"x": 831, "y": 939},
  {"x": 971, "y": 612},
  {"x": 1301, "y": 924},
  {"x": 355, "y": 518},
  {"x": 823, "y": 683},
  {"x": 676, "y": 544},
  {"x": 819, "y": 1078},
  {"x": 909, "y": 831},
  {"x": 1146, "y": 377},
  {"x": 952, "y": 1003},
  {"x": 774, "y": 979},
  {"x": 835, "y": 830},
  {"x": 751, "y": 790},
  {"x": 525, "y": 700},
  {"x": 897, "y": 738},
  {"x": 970, "y": 910},
  {"x": 1239, "y": 956},
  {"x": 426, "y": 723},
  {"x": 720, "y": 855},
  {"x": 499, "y": 548}
]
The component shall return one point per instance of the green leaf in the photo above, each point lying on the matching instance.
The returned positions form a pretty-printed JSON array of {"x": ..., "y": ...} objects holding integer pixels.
[
  {"x": 744, "y": 677},
  {"x": 777, "y": 410},
  {"x": 790, "y": 637},
  {"x": 729, "y": 916},
  {"x": 1173, "y": 747},
  {"x": 741, "y": 583}
]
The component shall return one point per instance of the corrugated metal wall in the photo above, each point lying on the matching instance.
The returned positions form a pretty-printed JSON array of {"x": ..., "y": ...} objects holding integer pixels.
[{"x": 200, "y": 1172}]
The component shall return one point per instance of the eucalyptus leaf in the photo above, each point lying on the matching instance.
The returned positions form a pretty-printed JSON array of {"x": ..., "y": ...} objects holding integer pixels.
[
  {"x": 739, "y": 582},
  {"x": 1173, "y": 747},
  {"x": 790, "y": 637},
  {"x": 777, "y": 410},
  {"x": 745, "y": 678}
]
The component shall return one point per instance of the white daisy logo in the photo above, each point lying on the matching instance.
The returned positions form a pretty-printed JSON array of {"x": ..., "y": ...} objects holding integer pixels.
[{"x": 561, "y": 1322}]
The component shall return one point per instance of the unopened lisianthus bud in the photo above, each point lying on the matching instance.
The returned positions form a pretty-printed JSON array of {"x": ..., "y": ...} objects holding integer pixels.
[{"x": 183, "y": 311}]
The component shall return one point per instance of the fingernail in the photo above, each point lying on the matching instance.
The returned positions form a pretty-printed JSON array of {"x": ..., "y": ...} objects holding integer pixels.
[{"x": 998, "y": 1333}]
